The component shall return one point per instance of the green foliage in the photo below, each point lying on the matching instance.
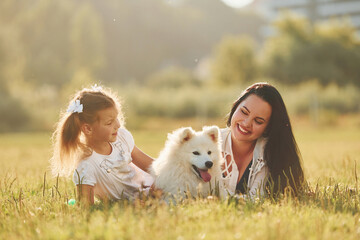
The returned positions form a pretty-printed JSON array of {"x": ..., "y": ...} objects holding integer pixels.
[
  {"x": 44, "y": 37},
  {"x": 115, "y": 40},
  {"x": 50, "y": 49},
  {"x": 13, "y": 115},
  {"x": 312, "y": 99},
  {"x": 173, "y": 77},
  {"x": 307, "y": 99},
  {"x": 81, "y": 79},
  {"x": 234, "y": 61},
  {"x": 87, "y": 40},
  {"x": 299, "y": 51},
  {"x": 182, "y": 102}
]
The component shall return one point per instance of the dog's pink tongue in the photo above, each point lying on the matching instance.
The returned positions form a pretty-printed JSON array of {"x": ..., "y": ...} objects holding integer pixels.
[{"x": 205, "y": 175}]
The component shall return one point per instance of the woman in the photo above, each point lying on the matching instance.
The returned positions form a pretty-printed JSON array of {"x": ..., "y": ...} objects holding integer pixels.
[{"x": 261, "y": 154}]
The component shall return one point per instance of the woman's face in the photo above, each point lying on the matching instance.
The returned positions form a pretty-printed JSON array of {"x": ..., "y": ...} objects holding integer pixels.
[{"x": 250, "y": 119}]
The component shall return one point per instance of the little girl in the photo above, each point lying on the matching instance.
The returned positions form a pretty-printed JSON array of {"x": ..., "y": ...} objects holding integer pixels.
[{"x": 91, "y": 141}]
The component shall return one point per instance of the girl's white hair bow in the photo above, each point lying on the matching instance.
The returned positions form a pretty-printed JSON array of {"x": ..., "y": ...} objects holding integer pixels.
[{"x": 75, "y": 106}]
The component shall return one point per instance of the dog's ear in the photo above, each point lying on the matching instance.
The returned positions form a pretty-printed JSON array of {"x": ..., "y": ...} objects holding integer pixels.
[
  {"x": 213, "y": 132},
  {"x": 186, "y": 134}
]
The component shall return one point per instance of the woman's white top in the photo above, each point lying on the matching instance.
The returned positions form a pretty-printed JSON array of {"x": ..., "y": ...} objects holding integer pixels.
[
  {"x": 258, "y": 170},
  {"x": 113, "y": 176}
]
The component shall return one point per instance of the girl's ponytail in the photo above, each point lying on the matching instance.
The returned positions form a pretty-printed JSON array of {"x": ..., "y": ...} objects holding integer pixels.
[
  {"x": 66, "y": 139},
  {"x": 70, "y": 133}
]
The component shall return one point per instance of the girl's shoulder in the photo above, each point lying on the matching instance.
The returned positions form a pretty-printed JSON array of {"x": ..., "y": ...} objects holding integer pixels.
[
  {"x": 86, "y": 161},
  {"x": 124, "y": 136},
  {"x": 124, "y": 132},
  {"x": 84, "y": 167},
  {"x": 85, "y": 173}
]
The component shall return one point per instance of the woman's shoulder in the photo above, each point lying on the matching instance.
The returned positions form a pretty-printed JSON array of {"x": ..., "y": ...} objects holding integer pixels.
[
  {"x": 224, "y": 132},
  {"x": 225, "y": 140},
  {"x": 258, "y": 154},
  {"x": 260, "y": 145}
]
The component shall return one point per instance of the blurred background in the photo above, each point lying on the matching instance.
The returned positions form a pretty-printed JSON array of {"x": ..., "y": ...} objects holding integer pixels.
[{"x": 178, "y": 59}]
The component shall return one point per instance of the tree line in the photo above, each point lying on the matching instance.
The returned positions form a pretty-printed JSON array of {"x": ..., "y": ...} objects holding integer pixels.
[
  {"x": 53, "y": 47},
  {"x": 299, "y": 51}
]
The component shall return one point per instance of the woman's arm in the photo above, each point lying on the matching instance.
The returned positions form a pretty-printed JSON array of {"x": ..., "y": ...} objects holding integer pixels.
[
  {"x": 140, "y": 159},
  {"x": 85, "y": 193}
]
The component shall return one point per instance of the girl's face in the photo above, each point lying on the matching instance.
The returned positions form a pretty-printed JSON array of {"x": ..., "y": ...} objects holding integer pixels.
[
  {"x": 250, "y": 119},
  {"x": 106, "y": 127}
]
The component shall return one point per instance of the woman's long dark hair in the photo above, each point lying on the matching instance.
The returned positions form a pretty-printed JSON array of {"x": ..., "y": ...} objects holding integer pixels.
[{"x": 281, "y": 152}]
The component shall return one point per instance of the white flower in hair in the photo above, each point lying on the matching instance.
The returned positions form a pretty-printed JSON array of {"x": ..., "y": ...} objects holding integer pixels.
[
  {"x": 96, "y": 88},
  {"x": 75, "y": 106}
]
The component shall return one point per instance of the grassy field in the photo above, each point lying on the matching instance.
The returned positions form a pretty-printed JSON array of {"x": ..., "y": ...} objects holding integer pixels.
[{"x": 32, "y": 210}]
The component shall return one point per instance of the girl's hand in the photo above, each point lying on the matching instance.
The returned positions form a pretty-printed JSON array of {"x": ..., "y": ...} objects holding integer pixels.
[{"x": 85, "y": 194}]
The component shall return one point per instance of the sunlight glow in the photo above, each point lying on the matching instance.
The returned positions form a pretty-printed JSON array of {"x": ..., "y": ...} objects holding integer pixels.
[{"x": 237, "y": 3}]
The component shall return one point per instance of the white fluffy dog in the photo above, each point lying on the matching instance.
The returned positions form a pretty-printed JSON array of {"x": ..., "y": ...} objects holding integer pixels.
[{"x": 190, "y": 162}]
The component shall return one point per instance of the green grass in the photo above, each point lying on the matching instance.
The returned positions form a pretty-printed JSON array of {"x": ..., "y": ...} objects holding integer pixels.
[{"x": 30, "y": 210}]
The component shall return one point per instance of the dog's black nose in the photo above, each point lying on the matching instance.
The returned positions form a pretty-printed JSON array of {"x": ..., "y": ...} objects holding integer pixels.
[{"x": 208, "y": 164}]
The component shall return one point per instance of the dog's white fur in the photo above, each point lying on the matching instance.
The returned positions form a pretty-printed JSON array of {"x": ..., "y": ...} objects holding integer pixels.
[{"x": 173, "y": 169}]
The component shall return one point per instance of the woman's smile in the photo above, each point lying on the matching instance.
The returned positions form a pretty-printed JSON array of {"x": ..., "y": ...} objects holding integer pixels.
[{"x": 242, "y": 130}]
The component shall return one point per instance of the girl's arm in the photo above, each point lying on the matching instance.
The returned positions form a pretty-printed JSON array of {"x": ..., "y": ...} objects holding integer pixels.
[
  {"x": 143, "y": 161},
  {"x": 140, "y": 159},
  {"x": 85, "y": 193}
]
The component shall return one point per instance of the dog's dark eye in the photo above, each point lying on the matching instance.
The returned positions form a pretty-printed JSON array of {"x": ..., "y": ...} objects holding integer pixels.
[
  {"x": 196, "y": 153},
  {"x": 209, "y": 152}
]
